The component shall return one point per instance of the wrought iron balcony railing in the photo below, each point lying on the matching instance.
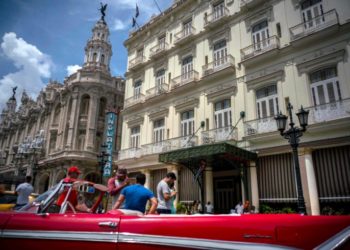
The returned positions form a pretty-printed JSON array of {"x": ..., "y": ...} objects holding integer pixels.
[
  {"x": 215, "y": 16},
  {"x": 314, "y": 25},
  {"x": 219, "y": 64},
  {"x": 159, "y": 48},
  {"x": 220, "y": 134},
  {"x": 263, "y": 46},
  {"x": 258, "y": 126},
  {"x": 329, "y": 111},
  {"x": 129, "y": 153},
  {"x": 134, "y": 100},
  {"x": 186, "y": 78},
  {"x": 136, "y": 61},
  {"x": 184, "y": 33},
  {"x": 156, "y": 91}
]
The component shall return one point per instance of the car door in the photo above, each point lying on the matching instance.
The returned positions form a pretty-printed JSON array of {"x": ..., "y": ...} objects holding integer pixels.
[{"x": 61, "y": 231}]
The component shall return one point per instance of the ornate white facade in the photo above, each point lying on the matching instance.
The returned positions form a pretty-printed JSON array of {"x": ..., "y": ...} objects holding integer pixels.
[
  {"x": 209, "y": 60},
  {"x": 66, "y": 124}
]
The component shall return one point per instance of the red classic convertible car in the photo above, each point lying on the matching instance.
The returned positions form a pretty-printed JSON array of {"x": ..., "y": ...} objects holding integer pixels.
[{"x": 71, "y": 216}]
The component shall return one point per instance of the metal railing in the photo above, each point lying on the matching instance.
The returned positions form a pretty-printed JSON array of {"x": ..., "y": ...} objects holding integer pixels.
[
  {"x": 159, "y": 48},
  {"x": 329, "y": 111},
  {"x": 129, "y": 153},
  {"x": 134, "y": 100},
  {"x": 184, "y": 33},
  {"x": 263, "y": 46},
  {"x": 220, "y": 134},
  {"x": 258, "y": 126},
  {"x": 313, "y": 25},
  {"x": 184, "y": 79},
  {"x": 156, "y": 91},
  {"x": 222, "y": 63},
  {"x": 216, "y": 16},
  {"x": 136, "y": 61}
]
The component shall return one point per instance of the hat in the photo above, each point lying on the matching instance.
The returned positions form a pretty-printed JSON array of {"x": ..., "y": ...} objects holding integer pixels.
[
  {"x": 74, "y": 169},
  {"x": 122, "y": 172}
]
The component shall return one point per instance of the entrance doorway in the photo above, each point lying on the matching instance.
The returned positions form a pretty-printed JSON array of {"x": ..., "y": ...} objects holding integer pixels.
[{"x": 227, "y": 193}]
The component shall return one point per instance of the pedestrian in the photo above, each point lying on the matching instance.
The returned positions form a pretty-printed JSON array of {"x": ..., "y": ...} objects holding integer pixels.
[
  {"x": 136, "y": 196},
  {"x": 73, "y": 174},
  {"x": 164, "y": 193},
  {"x": 246, "y": 207},
  {"x": 172, "y": 200},
  {"x": 23, "y": 191},
  {"x": 117, "y": 183},
  {"x": 239, "y": 208},
  {"x": 209, "y": 208}
]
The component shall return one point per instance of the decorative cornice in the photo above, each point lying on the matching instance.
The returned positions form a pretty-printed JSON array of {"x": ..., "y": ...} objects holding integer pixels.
[
  {"x": 265, "y": 76},
  {"x": 186, "y": 103},
  {"x": 158, "y": 113}
]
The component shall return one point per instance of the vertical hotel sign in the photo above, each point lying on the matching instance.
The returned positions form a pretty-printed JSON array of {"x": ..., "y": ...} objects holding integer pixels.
[{"x": 110, "y": 136}]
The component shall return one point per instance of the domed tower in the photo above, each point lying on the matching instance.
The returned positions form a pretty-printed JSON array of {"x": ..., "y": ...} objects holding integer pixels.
[{"x": 98, "y": 50}]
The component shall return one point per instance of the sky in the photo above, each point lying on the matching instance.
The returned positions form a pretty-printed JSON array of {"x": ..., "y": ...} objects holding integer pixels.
[{"x": 43, "y": 40}]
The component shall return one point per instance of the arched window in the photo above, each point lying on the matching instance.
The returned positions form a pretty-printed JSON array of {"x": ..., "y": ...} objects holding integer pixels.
[
  {"x": 57, "y": 113},
  {"x": 103, "y": 59},
  {"x": 325, "y": 86},
  {"x": 85, "y": 103},
  {"x": 102, "y": 108},
  {"x": 94, "y": 58},
  {"x": 267, "y": 101}
]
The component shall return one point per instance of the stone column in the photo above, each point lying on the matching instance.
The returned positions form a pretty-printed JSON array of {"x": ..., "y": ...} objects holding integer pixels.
[
  {"x": 208, "y": 185},
  {"x": 309, "y": 181},
  {"x": 91, "y": 123},
  {"x": 254, "y": 185},
  {"x": 72, "y": 121}
]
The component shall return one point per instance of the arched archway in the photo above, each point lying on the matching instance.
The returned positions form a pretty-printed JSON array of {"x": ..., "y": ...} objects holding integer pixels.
[
  {"x": 60, "y": 175},
  {"x": 43, "y": 183}
]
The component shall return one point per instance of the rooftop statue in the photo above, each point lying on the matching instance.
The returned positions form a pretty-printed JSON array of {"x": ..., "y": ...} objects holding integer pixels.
[
  {"x": 103, "y": 9},
  {"x": 14, "y": 92}
]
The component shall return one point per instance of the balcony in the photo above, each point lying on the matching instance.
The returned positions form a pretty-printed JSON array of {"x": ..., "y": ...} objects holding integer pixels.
[
  {"x": 329, "y": 111},
  {"x": 219, "y": 134},
  {"x": 314, "y": 25},
  {"x": 219, "y": 65},
  {"x": 136, "y": 62},
  {"x": 216, "y": 18},
  {"x": 184, "y": 35},
  {"x": 259, "y": 126},
  {"x": 157, "y": 91},
  {"x": 159, "y": 50},
  {"x": 136, "y": 99},
  {"x": 248, "y": 4},
  {"x": 184, "y": 79},
  {"x": 256, "y": 49},
  {"x": 129, "y": 153}
]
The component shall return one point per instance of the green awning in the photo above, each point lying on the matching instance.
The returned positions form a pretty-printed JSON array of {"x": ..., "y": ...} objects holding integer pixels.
[{"x": 207, "y": 151}]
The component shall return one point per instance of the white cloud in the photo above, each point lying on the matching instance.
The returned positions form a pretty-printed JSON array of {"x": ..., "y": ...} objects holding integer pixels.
[
  {"x": 32, "y": 65},
  {"x": 119, "y": 25},
  {"x": 71, "y": 69}
]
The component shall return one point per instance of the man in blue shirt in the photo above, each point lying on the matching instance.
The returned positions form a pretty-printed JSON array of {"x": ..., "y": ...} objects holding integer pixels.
[{"x": 136, "y": 197}]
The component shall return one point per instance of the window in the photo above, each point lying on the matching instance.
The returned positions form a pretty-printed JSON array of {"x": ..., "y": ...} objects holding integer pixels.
[
  {"x": 158, "y": 130},
  {"x": 218, "y": 10},
  {"x": 139, "y": 53},
  {"x": 187, "y": 123},
  {"x": 103, "y": 59},
  {"x": 161, "y": 43},
  {"x": 312, "y": 12},
  {"x": 160, "y": 80},
  {"x": 220, "y": 53},
  {"x": 187, "y": 28},
  {"x": 325, "y": 86},
  {"x": 187, "y": 68},
  {"x": 260, "y": 35},
  {"x": 135, "y": 137},
  {"x": 137, "y": 89},
  {"x": 267, "y": 101},
  {"x": 222, "y": 114}
]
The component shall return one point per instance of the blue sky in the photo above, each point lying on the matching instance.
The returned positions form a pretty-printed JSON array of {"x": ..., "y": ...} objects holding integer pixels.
[{"x": 41, "y": 39}]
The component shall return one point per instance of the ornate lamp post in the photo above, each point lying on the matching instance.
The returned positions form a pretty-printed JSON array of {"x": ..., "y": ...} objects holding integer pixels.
[
  {"x": 292, "y": 135},
  {"x": 102, "y": 159}
]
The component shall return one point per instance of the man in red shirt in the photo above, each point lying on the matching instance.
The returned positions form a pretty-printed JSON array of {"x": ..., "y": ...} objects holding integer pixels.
[
  {"x": 117, "y": 183},
  {"x": 73, "y": 173}
]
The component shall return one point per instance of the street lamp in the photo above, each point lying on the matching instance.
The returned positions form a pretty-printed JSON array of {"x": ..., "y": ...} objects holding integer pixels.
[
  {"x": 293, "y": 134},
  {"x": 102, "y": 159}
]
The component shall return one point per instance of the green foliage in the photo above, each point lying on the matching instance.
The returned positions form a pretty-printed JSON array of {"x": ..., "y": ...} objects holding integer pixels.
[
  {"x": 181, "y": 208},
  {"x": 266, "y": 209}
]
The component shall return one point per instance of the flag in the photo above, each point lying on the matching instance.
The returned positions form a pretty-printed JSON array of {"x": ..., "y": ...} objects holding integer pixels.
[
  {"x": 137, "y": 11},
  {"x": 133, "y": 22}
]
